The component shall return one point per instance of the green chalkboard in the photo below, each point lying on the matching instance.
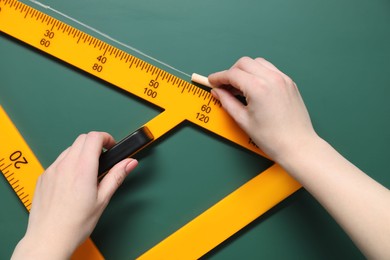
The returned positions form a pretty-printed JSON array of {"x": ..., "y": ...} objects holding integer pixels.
[{"x": 338, "y": 52}]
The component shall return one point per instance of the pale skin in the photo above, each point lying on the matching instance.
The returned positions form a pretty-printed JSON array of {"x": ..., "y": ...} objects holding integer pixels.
[
  {"x": 276, "y": 119},
  {"x": 68, "y": 200}
]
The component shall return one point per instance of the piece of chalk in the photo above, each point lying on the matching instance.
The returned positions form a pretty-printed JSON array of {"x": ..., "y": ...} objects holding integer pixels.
[{"x": 201, "y": 80}]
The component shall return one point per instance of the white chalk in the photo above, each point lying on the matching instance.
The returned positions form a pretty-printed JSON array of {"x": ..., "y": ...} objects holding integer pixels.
[{"x": 201, "y": 80}]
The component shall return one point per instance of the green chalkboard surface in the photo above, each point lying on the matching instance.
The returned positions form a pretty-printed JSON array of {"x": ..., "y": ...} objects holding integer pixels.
[{"x": 338, "y": 52}]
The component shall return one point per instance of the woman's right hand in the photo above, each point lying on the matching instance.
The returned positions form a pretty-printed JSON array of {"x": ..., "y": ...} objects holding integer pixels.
[{"x": 275, "y": 116}]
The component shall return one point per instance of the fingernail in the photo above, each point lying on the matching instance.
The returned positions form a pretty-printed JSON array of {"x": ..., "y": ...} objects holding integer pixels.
[{"x": 131, "y": 165}]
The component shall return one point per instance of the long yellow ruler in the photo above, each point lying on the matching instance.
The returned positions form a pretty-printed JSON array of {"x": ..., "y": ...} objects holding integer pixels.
[{"x": 180, "y": 100}]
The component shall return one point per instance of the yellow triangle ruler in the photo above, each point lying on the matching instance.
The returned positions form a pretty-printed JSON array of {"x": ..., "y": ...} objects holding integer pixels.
[{"x": 180, "y": 100}]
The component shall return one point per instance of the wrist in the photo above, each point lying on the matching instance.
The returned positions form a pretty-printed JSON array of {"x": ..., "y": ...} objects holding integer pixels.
[
  {"x": 299, "y": 151},
  {"x": 33, "y": 247}
]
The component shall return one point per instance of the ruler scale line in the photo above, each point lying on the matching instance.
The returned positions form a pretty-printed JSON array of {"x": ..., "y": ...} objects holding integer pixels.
[
  {"x": 25, "y": 16},
  {"x": 23, "y": 9},
  {"x": 7, "y": 167}
]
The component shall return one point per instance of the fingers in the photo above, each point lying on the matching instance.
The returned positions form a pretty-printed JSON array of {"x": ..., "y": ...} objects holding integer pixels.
[
  {"x": 243, "y": 75},
  {"x": 95, "y": 142},
  {"x": 235, "y": 77},
  {"x": 114, "y": 178},
  {"x": 257, "y": 67},
  {"x": 85, "y": 152},
  {"x": 230, "y": 103},
  {"x": 247, "y": 73}
]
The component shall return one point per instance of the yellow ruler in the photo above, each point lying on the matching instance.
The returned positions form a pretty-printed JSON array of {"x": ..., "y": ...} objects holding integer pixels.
[{"x": 180, "y": 100}]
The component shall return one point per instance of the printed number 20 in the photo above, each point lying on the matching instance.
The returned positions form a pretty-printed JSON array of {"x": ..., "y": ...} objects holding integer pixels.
[{"x": 18, "y": 159}]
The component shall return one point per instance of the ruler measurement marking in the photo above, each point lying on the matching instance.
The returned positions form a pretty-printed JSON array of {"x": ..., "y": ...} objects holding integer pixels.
[
  {"x": 148, "y": 68},
  {"x": 175, "y": 81},
  {"x": 96, "y": 45},
  {"x": 56, "y": 24},
  {"x": 6, "y": 167},
  {"x": 18, "y": 5},
  {"x": 111, "y": 50},
  {"x": 195, "y": 91},
  {"x": 141, "y": 65},
  {"x": 127, "y": 58},
  {"x": 100, "y": 45},
  {"x": 137, "y": 63},
  {"x": 83, "y": 37},
  {"x": 40, "y": 16},
  {"x": 180, "y": 84},
  {"x": 202, "y": 94},
  {"x": 116, "y": 53},
  {"x": 131, "y": 63},
  {"x": 45, "y": 18},
  {"x": 34, "y": 13},
  {"x": 158, "y": 74},
  {"x": 77, "y": 34},
  {"x": 71, "y": 32},
  {"x": 87, "y": 39},
  {"x": 209, "y": 101},
  {"x": 27, "y": 13},
  {"x": 123, "y": 54},
  {"x": 92, "y": 42},
  {"x": 23, "y": 9},
  {"x": 67, "y": 29},
  {"x": 80, "y": 37},
  {"x": 168, "y": 78},
  {"x": 154, "y": 71}
]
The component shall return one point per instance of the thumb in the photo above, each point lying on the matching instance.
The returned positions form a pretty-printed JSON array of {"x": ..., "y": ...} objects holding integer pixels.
[
  {"x": 114, "y": 178},
  {"x": 231, "y": 104}
]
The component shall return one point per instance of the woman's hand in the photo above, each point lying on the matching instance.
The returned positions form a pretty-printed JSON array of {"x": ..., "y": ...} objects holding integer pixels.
[
  {"x": 68, "y": 199},
  {"x": 275, "y": 116},
  {"x": 278, "y": 122}
]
